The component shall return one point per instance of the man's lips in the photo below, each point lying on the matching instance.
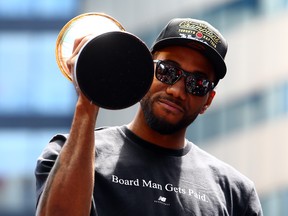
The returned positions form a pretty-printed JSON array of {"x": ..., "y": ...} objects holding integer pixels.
[{"x": 171, "y": 105}]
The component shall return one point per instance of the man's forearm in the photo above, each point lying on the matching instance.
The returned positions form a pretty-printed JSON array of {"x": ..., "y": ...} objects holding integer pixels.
[{"x": 69, "y": 187}]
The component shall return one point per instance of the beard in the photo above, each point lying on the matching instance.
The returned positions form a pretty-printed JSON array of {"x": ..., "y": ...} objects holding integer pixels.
[{"x": 159, "y": 124}]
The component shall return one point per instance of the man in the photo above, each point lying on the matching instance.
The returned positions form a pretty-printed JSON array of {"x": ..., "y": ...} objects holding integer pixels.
[{"x": 147, "y": 167}]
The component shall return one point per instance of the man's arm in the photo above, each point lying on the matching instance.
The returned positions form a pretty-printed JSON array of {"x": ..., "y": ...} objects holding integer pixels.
[
  {"x": 70, "y": 183},
  {"x": 69, "y": 186}
]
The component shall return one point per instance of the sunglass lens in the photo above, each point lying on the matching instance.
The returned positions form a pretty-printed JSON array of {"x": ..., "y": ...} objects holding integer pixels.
[
  {"x": 197, "y": 86},
  {"x": 167, "y": 73}
]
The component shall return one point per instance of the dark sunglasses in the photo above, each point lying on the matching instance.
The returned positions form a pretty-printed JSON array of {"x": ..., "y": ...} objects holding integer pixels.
[{"x": 195, "y": 84}]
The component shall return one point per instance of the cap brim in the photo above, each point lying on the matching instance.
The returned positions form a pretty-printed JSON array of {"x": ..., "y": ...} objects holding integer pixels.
[{"x": 212, "y": 55}]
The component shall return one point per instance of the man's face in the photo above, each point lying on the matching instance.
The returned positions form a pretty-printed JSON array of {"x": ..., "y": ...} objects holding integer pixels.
[{"x": 169, "y": 108}]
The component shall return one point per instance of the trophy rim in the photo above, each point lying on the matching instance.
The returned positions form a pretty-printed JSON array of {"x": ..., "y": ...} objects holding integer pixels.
[{"x": 65, "y": 30}]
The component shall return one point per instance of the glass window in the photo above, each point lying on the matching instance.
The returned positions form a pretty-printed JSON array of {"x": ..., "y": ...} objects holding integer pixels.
[
  {"x": 235, "y": 116},
  {"x": 195, "y": 131},
  {"x": 20, "y": 149},
  {"x": 275, "y": 203},
  {"x": 43, "y": 8},
  {"x": 243, "y": 113},
  {"x": 257, "y": 107},
  {"x": 213, "y": 123},
  {"x": 286, "y": 97},
  {"x": 30, "y": 80}
]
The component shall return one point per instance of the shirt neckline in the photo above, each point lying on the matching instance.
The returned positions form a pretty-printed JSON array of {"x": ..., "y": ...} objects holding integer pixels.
[{"x": 153, "y": 147}]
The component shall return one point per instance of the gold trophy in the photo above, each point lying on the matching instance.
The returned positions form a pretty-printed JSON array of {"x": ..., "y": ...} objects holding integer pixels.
[{"x": 114, "y": 69}]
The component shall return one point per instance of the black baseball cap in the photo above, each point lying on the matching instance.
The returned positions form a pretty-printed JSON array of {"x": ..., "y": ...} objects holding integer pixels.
[{"x": 197, "y": 34}]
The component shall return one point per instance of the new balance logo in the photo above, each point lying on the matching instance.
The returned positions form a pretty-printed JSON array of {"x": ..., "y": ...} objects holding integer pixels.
[{"x": 162, "y": 199}]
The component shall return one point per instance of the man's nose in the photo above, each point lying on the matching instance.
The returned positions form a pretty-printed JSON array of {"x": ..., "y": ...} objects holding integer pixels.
[{"x": 178, "y": 89}]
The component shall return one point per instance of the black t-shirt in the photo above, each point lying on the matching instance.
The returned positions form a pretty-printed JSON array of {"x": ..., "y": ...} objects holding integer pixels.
[{"x": 135, "y": 177}]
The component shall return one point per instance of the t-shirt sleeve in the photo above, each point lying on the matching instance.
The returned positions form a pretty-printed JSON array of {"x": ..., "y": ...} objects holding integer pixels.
[
  {"x": 253, "y": 206},
  {"x": 46, "y": 161}
]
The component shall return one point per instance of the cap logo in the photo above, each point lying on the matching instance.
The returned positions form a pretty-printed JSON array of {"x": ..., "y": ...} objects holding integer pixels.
[
  {"x": 199, "y": 35},
  {"x": 200, "y": 31}
]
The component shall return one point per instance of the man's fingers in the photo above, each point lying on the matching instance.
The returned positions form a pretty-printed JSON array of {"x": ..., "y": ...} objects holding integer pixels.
[{"x": 78, "y": 44}]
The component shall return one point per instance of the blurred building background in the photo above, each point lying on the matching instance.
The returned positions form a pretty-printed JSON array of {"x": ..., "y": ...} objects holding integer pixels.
[{"x": 247, "y": 125}]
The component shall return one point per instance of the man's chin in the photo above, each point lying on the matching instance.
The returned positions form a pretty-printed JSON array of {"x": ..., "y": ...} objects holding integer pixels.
[{"x": 162, "y": 126}]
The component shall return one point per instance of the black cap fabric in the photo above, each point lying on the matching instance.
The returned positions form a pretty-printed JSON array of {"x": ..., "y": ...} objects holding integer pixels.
[{"x": 198, "y": 35}]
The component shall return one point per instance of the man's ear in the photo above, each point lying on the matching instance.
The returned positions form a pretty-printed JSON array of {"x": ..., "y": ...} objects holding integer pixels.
[{"x": 209, "y": 101}]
